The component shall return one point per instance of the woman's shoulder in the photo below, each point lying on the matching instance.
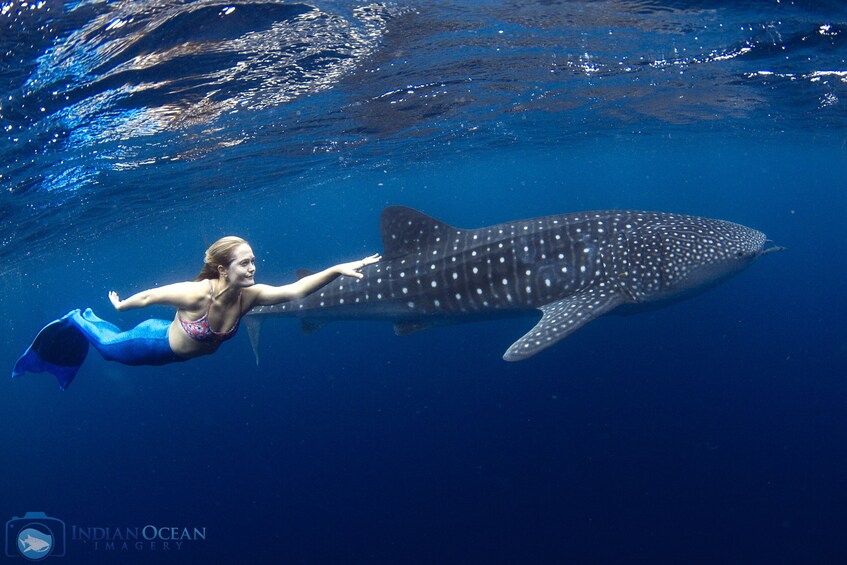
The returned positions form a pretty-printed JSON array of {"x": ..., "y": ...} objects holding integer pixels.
[
  {"x": 190, "y": 287},
  {"x": 251, "y": 293},
  {"x": 202, "y": 289},
  {"x": 193, "y": 293}
]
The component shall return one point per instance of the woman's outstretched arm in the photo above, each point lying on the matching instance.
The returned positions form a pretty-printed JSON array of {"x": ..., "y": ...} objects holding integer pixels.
[
  {"x": 185, "y": 295},
  {"x": 266, "y": 295}
]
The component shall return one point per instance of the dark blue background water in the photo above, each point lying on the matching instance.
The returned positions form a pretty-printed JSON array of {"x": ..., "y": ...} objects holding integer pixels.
[{"x": 134, "y": 134}]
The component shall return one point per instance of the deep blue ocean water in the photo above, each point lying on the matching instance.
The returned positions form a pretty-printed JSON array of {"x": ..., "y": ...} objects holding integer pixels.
[{"x": 133, "y": 134}]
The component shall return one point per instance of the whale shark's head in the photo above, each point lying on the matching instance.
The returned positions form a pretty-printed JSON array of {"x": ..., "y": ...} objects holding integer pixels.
[{"x": 696, "y": 253}]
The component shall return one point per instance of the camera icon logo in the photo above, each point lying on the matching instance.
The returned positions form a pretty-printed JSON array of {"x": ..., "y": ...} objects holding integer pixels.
[{"x": 35, "y": 536}]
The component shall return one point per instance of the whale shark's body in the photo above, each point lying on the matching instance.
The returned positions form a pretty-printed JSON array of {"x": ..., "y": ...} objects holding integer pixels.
[
  {"x": 572, "y": 267},
  {"x": 31, "y": 543}
]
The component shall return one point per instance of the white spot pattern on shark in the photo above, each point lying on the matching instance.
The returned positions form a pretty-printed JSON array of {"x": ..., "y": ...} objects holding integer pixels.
[{"x": 572, "y": 267}]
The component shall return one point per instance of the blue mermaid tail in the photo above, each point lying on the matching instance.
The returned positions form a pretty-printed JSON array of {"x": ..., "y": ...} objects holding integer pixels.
[{"x": 61, "y": 346}]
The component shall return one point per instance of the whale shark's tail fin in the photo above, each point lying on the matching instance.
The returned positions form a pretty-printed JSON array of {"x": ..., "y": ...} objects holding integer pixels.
[{"x": 254, "y": 328}]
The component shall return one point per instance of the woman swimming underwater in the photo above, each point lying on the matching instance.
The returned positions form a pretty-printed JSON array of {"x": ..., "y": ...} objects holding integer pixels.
[{"x": 208, "y": 313}]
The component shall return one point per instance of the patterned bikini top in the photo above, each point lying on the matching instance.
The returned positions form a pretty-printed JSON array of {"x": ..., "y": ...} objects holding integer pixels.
[{"x": 200, "y": 329}]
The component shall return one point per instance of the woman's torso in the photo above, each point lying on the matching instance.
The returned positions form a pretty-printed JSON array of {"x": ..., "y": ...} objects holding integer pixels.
[{"x": 200, "y": 332}]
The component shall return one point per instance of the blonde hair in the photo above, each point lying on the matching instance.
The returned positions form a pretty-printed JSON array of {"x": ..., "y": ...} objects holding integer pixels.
[{"x": 219, "y": 253}]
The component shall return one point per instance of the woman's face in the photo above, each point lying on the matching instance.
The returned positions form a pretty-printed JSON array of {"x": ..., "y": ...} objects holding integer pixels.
[{"x": 243, "y": 267}]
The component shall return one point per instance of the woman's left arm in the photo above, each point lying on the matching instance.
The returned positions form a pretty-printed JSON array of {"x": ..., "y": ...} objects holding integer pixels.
[{"x": 266, "y": 295}]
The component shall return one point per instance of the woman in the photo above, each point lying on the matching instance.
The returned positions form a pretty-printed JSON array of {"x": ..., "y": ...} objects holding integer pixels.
[{"x": 208, "y": 313}]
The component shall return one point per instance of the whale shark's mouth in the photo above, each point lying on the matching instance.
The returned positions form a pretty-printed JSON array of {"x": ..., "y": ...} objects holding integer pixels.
[{"x": 772, "y": 249}]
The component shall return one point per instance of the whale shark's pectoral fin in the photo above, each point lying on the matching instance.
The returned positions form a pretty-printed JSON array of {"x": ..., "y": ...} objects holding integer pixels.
[
  {"x": 563, "y": 317},
  {"x": 409, "y": 327},
  {"x": 254, "y": 328},
  {"x": 308, "y": 327}
]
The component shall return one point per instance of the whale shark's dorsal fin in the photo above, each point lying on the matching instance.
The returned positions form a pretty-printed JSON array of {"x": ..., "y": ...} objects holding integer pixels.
[
  {"x": 405, "y": 230},
  {"x": 562, "y": 318}
]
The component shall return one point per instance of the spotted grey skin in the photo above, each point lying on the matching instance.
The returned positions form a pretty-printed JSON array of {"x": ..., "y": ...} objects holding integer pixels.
[{"x": 572, "y": 267}]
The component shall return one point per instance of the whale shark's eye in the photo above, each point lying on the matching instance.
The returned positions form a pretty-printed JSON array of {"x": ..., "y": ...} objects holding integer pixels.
[{"x": 739, "y": 254}]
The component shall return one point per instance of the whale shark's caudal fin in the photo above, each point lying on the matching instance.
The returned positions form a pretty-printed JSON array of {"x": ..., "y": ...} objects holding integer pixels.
[
  {"x": 254, "y": 328},
  {"x": 562, "y": 318}
]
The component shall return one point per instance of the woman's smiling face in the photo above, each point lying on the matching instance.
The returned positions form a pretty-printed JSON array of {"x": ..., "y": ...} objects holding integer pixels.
[{"x": 242, "y": 268}]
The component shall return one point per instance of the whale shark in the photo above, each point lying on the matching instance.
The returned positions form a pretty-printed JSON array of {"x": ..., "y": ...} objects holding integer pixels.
[
  {"x": 572, "y": 268},
  {"x": 32, "y": 543}
]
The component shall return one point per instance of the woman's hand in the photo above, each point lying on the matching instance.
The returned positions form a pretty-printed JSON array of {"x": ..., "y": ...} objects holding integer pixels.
[
  {"x": 115, "y": 299},
  {"x": 352, "y": 269}
]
